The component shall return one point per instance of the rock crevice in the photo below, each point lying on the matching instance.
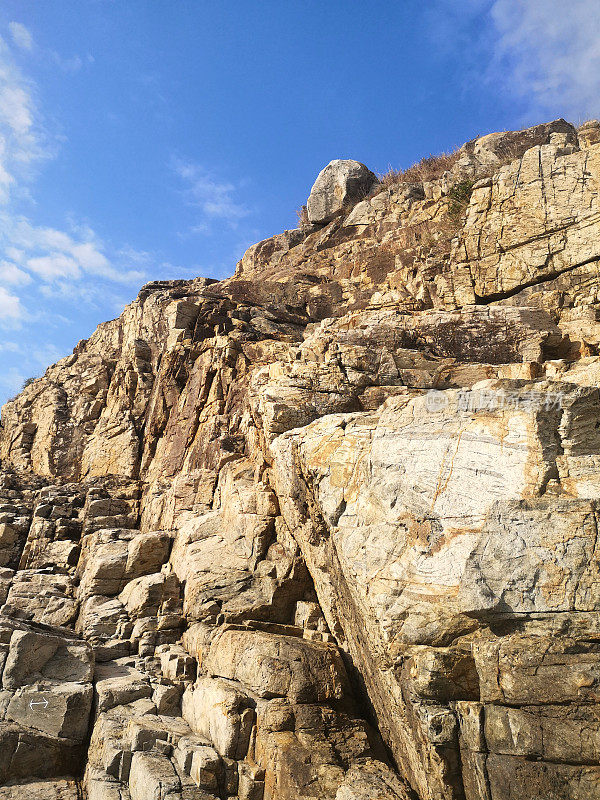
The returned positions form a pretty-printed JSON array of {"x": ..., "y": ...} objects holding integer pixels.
[{"x": 329, "y": 527}]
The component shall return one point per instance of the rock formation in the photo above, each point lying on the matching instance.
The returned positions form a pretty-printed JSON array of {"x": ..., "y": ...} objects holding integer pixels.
[{"x": 327, "y": 528}]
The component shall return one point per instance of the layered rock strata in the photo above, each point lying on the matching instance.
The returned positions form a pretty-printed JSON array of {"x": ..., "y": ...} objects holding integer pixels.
[{"x": 327, "y": 528}]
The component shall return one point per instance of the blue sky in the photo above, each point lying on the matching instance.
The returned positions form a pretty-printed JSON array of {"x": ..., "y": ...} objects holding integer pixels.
[{"x": 155, "y": 139}]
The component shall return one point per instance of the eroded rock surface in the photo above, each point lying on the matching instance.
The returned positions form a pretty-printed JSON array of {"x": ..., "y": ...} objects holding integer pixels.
[
  {"x": 327, "y": 528},
  {"x": 338, "y": 184}
]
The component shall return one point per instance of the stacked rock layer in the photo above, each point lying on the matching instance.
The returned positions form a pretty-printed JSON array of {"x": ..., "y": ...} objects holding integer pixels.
[{"x": 327, "y": 528}]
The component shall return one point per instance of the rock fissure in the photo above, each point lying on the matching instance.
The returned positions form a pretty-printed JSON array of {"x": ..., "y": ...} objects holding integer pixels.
[{"x": 321, "y": 528}]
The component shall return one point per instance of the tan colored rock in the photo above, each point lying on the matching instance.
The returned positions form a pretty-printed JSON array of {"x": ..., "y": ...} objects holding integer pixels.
[
  {"x": 373, "y": 449},
  {"x": 365, "y": 778},
  {"x": 278, "y": 666},
  {"x": 217, "y": 711},
  {"x": 153, "y": 777},
  {"x": 119, "y": 684},
  {"x": 41, "y": 597},
  {"x": 41, "y": 790},
  {"x": 61, "y": 710},
  {"x": 37, "y": 655},
  {"x": 206, "y": 768}
]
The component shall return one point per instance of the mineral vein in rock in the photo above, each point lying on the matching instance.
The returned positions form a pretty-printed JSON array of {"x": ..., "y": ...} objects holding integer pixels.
[{"x": 327, "y": 528}]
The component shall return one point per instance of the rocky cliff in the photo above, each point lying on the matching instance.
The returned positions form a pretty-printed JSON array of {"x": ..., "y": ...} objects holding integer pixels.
[{"x": 327, "y": 528}]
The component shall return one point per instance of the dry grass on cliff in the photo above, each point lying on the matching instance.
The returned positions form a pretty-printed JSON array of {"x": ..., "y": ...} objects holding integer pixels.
[
  {"x": 430, "y": 168},
  {"x": 302, "y": 214}
]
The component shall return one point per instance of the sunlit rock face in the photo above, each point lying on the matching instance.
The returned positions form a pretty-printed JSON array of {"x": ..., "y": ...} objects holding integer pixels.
[{"x": 327, "y": 528}]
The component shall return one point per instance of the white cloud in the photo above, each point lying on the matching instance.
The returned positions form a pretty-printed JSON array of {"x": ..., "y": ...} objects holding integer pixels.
[
  {"x": 551, "y": 53},
  {"x": 23, "y": 141},
  {"x": 12, "y": 275},
  {"x": 15, "y": 109},
  {"x": 46, "y": 354},
  {"x": 543, "y": 53},
  {"x": 23, "y": 39},
  {"x": 21, "y": 36},
  {"x": 10, "y": 306},
  {"x": 72, "y": 64},
  {"x": 10, "y": 347},
  {"x": 45, "y": 269},
  {"x": 54, "y": 255},
  {"x": 215, "y": 199},
  {"x": 54, "y": 266}
]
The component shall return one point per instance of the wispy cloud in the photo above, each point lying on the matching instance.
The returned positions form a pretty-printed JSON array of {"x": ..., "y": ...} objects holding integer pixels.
[
  {"x": 13, "y": 276},
  {"x": 543, "y": 53},
  {"x": 51, "y": 276},
  {"x": 22, "y": 38},
  {"x": 52, "y": 255},
  {"x": 214, "y": 199},
  {"x": 11, "y": 380},
  {"x": 11, "y": 309},
  {"x": 21, "y": 35},
  {"x": 71, "y": 263},
  {"x": 10, "y": 347},
  {"x": 551, "y": 51},
  {"x": 71, "y": 64},
  {"x": 23, "y": 141}
]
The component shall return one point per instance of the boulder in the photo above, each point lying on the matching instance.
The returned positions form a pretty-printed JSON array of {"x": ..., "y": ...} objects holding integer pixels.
[
  {"x": 40, "y": 654},
  {"x": 61, "y": 710},
  {"x": 341, "y": 183},
  {"x": 498, "y": 148},
  {"x": 153, "y": 777}
]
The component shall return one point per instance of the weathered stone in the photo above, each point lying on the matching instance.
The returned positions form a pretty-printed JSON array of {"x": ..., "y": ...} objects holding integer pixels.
[
  {"x": 375, "y": 449},
  {"x": 205, "y": 767},
  {"x": 278, "y": 666},
  {"x": 152, "y": 777},
  {"x": 337, "y": 185},
  {"x": 41, "y": 790},
  {"x": 220, "y": 713},
  {"x": 61, "y": 710},
  {"x": 37, "y": 655},
  {"x": 365, "y": 778}
]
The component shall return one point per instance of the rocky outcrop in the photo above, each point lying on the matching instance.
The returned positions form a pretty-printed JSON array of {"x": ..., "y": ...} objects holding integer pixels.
[
  {"x": 327, "y": 528},
  {"x": 341, "y": 183}
]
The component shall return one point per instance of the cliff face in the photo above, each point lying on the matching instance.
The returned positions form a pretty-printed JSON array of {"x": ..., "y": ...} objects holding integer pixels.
[{"x": 327, "y": 528}]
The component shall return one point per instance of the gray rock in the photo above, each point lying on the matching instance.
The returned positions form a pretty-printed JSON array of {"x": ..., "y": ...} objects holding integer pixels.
[
  {"x": 340, "y": 183},
  {"x": 38, "y": 655},
  {"x": 60, "y": 710}
]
